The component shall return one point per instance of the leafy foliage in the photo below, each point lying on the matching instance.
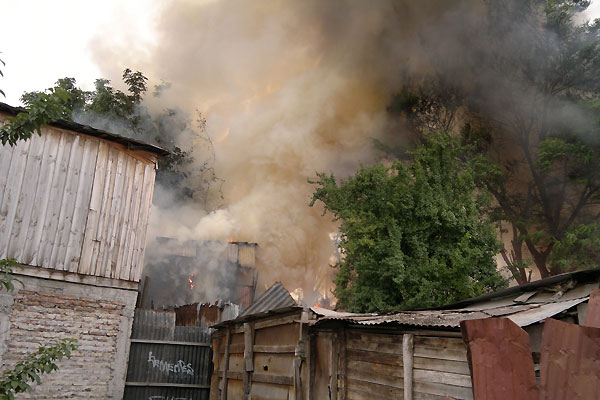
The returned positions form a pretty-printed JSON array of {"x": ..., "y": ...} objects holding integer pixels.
[
  {"x": 412, "y": 235},
  {"x": 6, "y": 274},
  {"x": 42, "y": 361},
  {"x": 530, "y": 112},
  {"x": 188, "y": 174},
  {"x": 41, "y": 110}
]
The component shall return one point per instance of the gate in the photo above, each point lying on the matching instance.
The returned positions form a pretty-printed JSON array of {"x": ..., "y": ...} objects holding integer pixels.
[{"x": 167, "y": 362}]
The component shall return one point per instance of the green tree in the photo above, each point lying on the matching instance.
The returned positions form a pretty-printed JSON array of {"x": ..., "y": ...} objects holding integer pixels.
[
  {"x": 530, "y": 110},
  {"x": 188, "y": 174},
  {"x": 412, "y": 234},
  {"x": 42, "y": 361}
]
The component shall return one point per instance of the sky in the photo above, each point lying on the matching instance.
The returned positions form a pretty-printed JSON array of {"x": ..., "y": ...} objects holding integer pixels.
[{"x": 46, "y": 40}]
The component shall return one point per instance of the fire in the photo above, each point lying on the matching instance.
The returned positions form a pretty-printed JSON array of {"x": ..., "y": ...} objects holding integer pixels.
[
  {"x": 191, "y": 281},
  {"x": 324, "y": 302}
]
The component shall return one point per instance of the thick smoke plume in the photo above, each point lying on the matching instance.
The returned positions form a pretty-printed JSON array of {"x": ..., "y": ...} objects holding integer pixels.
[{"x": 289, "y": 88}]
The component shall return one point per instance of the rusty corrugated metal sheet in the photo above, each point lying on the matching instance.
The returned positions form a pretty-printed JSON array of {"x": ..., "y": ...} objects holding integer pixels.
[
  {"x": 274, "y": 298},
  {"x": 592, "y": 317},
  {"x": 205, "y": 314},
  {"x": 500, "y": 360},
  {"x": 244, "y": 295},
  {"x": 569, "y": 362}
]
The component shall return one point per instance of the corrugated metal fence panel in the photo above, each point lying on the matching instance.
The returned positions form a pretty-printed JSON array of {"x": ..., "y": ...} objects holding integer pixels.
[
  {"x": 164, "y": 393},
  {"x": 167, "y": 361},
  {"x": 75, "y": 203},
  {"x": 153, "y": 324}
]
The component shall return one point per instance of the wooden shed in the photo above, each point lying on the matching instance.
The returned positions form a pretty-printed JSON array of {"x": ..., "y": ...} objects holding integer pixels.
[
  {"x": 314, "y": 353},
  {"x": 74, "y": 208},
  {"x": 76, "y": 199}
]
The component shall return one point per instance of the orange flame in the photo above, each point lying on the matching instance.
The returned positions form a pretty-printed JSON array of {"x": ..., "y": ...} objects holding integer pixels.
[{"x": 191, "y": 281}]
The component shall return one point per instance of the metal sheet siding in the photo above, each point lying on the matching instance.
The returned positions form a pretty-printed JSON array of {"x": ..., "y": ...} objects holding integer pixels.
[
  {"x": 75, "y": 203},
  {"x": 167, "y": 361}
]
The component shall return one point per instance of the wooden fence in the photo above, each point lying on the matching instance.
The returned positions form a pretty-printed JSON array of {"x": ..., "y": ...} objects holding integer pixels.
[
  {"x": 261, "y": 360},
  {"x": 286, "y": 357}
]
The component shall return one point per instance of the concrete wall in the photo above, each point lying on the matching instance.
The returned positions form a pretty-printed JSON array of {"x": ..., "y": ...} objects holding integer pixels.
[{"x": 99, "y": 317}]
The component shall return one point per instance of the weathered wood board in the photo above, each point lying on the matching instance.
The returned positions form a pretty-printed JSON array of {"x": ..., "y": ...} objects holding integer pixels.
[{"x": 75, "y": 203}]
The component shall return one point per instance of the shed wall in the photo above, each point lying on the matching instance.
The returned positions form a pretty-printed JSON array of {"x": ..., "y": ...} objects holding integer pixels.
[
  {"x": 259, "y": 360},
  {"x": 373, "y": 366},
  {"x": 75, "y": 203}
]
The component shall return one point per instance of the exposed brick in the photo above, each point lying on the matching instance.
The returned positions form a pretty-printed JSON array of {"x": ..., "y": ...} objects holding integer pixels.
[
  {"x": 67, "y": 297},
  {"x": 47, "y": 294},
  {"x": 40, "y": 317}
]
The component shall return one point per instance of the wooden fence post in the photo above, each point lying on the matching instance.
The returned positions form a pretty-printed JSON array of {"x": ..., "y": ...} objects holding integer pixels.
[
  {"x": 248, "y": 358},
  {"x": 226, "y": 365},
  {"x": 334, "y": 359},
  {"x": 407, "y": 364},
  {"x": 343, "y": 363}
]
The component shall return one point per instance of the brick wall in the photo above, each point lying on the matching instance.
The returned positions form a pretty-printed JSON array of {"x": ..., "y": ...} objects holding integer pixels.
[{"x": 98, "y": 317}]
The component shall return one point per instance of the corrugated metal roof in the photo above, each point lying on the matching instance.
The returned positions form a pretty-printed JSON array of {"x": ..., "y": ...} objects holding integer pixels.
[
  {"x": 131, "y": 144},
  {"x": 537, "y": 305},
  {"x": 543, "y": 312},
  {"x": 589, "y": 275},
  {"x": 424, "y": 318},
  {"x": 274, "y": 298}
]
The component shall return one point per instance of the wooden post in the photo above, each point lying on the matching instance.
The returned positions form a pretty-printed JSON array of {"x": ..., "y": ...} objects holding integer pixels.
[
  {"x": 226, "y": 365},
  {"x": 300, "y": 356},
  {"x": 342, "y": 367},
  {"x": 407, "y": 364},
  {"x": 248, "y": 358},
  {"x": 333, "y": 365},
  {"x": 214, "y": 380},
  {"x": 311, "y": 361}
]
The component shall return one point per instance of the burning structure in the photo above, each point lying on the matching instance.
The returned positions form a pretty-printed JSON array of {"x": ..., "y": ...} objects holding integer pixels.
[
  {"x": 74, "y": 207},
  {"x": 193, "y": 272}
]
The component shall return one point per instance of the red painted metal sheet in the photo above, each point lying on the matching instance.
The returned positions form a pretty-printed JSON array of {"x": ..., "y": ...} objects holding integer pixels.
[
  {"x": 570, "y": 362},
  {"x": 500, "y": 360},
  {"x": 592, "y": 317}
]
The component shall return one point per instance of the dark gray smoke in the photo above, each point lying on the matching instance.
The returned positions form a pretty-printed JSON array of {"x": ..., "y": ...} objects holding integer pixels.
[{"x": 293, "y": 87}]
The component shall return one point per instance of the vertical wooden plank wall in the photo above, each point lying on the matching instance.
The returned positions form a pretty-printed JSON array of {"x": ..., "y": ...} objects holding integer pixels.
[
  {"x": 440, "y": 368},
  {"x": 75, "y": 203},
  {"x": 374, "y": 367},
  {"x": 259, "y": 360},
  {"x": 408, "y": 366}
]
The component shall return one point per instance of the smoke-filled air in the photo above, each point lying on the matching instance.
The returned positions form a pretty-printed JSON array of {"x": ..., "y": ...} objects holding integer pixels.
[{"x": 291, "y": 88}]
